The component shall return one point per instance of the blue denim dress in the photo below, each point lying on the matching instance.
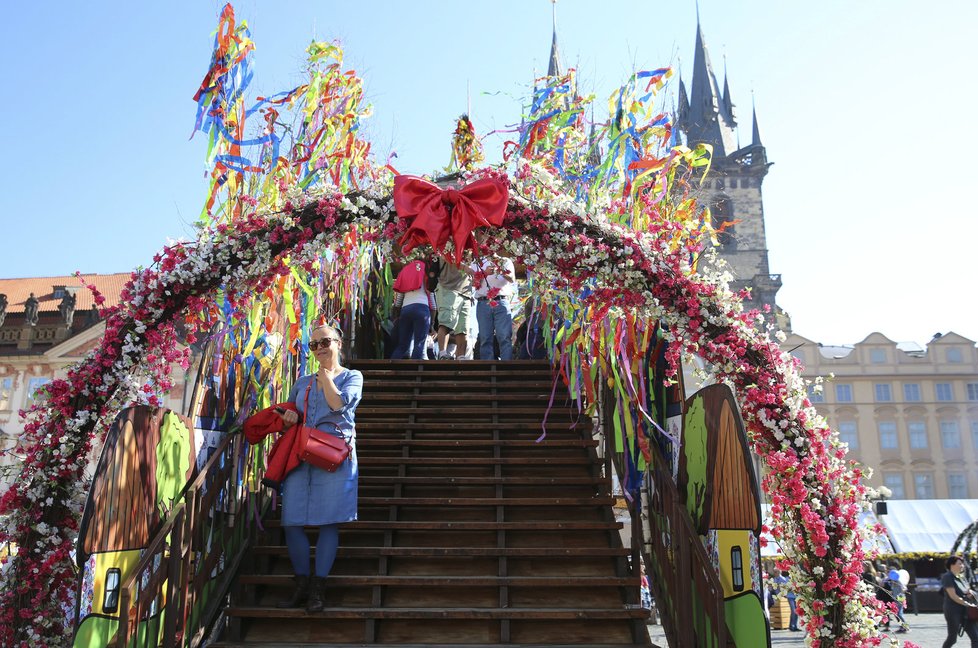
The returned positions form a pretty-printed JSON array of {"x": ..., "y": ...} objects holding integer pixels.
[{"x": 312, "y": 496}]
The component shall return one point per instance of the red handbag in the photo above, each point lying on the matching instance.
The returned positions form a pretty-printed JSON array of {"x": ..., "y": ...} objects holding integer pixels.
[{"x": 322, "y": 449}]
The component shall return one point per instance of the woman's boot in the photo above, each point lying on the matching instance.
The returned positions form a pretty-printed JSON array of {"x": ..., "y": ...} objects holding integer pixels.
[
  {"x": 299, "y": 595},
  {"x": 317, "y": 592}
]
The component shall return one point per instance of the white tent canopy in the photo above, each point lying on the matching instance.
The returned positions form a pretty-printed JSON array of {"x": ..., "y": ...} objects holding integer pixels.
[{"x": 917, "y": 526}]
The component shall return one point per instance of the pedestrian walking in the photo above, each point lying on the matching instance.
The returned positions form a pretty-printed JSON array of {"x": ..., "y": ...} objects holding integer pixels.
[
  {"x": 958, "y": 599},
  {"x": 413, "y": 307},
  {"x": 495, "y": 283},
  {"x": 454, "y": 298}
]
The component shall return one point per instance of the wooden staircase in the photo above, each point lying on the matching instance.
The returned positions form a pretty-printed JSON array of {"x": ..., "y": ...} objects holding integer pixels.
[{"x": 470, "y": 532}]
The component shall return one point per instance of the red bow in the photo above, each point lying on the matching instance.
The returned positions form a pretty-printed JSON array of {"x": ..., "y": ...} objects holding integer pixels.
[{"x": 437, "y": 215}]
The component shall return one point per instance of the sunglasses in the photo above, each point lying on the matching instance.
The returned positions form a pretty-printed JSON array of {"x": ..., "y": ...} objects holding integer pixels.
[{"x": 324, "y": 343}]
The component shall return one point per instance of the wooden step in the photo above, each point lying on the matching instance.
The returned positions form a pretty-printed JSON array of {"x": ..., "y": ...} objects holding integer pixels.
[
  {"x": 439, "y": 613},
  {"x": 427, "y": 552},
  {"x": 486, "y": 501},
  {"x": 374, "y": 442},
  {"x": 454, "y": 460},
  {"x": 553, "y": 429},
  {"x": 280, "y": 644},
  {"x": 465, "y": 525},
  {"x": 477, "y": 409},
  {"x": 428, "y": 384},
  {"x": 283, "y": 581},
  {"x": 519, "y": 480}
]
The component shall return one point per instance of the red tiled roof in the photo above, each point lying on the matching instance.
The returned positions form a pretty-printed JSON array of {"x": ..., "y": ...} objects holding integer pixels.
[{"x": 18, "y": 290}]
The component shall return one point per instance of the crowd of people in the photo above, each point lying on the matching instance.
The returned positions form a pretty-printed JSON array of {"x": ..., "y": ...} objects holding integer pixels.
[
  {"x": 439, "y": 307},
  {"x": 889, "y": 583}
]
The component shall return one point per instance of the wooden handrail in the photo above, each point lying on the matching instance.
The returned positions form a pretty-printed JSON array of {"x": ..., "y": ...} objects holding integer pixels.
[
  {"x": 679, "y": 569},
  {"x": 162, "y": 592}
]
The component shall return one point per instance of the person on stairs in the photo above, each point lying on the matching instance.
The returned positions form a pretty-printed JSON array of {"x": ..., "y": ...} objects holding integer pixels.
[
  {"x": 311, "y": 496},
  {"x": 494, "y": 279},
  {"x": 413, "y": 307}
]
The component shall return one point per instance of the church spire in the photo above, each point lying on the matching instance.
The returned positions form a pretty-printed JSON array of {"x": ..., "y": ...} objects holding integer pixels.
[
  {"x": 554, "y": 68},
  {"x": 710, "y": 119},
  {"x": 728, "y": 103},
  {"x": 755, "y": 139}
]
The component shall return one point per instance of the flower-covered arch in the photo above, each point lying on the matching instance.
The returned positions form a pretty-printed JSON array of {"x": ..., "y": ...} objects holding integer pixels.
[{"x": 614, "y": 243}]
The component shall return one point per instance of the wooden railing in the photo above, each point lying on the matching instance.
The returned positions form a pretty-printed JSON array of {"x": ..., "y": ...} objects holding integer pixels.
[
  {"x": 687, "y": 589},
  {"x": 179, "y": 584}
]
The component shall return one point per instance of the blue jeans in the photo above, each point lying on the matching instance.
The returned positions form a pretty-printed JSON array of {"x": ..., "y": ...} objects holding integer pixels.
[
  {"x": 494, "y": 321},
  {"x": 793, "y": 621},
  {"x": 412, "y": 327}
]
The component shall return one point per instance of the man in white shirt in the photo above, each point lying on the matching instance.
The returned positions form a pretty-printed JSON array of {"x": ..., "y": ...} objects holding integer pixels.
[{"x": 495, "y": 281}]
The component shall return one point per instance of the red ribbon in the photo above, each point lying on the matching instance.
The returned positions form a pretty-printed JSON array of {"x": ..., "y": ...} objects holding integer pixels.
[{"x": 439, "y": 214}]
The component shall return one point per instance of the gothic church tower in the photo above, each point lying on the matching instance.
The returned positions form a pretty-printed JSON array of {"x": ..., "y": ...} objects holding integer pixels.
[{"x": 733, "y": 189}]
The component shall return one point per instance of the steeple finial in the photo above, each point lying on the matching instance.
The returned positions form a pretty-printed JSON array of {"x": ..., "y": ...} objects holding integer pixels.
[
  {"x": 756, "y": 134},
  {"x": 554, "y": 68}
]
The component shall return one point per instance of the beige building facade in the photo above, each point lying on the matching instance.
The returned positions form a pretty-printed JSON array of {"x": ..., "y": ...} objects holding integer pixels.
[
  {"x": 909, "y": 413},
  {"x": 47, "y": 324}
]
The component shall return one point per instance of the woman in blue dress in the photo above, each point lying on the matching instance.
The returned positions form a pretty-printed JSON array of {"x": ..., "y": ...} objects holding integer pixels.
[{"x": 312, "y": 496}]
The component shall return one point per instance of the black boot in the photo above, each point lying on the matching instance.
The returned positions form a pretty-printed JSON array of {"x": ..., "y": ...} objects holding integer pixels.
[
  {"x": 317, "y": 591},
  {"x": 300, "y": 594}
]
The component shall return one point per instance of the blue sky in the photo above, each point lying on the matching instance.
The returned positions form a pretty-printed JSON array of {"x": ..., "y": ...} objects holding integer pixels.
[{"x": 864, "y": 108}]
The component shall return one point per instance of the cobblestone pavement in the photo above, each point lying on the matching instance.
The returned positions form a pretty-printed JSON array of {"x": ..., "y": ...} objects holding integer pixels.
[{"x": 926, "y": 630}]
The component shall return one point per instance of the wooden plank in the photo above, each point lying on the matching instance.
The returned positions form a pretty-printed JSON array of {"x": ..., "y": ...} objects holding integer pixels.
[
  {"x": 546, "y": 444},
  {"x": 285, "y": 580},
  {"x": 486, "y": 501},
  {"x": 452, "y": 460},
  {"x": 526, "y": 525},
  {"x": 528, "y": 480},
  {"x": 451, "y": 410},
  {"x": 439, "y": 613},
  {"x": 426, "y": 552}
]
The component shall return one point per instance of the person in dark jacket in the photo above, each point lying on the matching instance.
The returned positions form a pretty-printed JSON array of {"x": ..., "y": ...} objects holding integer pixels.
[{"x": 958, "y": 597}]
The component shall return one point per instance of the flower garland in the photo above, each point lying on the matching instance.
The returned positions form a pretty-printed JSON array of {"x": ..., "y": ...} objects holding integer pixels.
[
  {"x": 43, "y": 505},
  {"x": 816, "y": 496}
]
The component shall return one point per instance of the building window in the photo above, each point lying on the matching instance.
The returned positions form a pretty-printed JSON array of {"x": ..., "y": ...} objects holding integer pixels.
[
  {"x": 888, "y": 435},
  {"x": 849, "y": 434},
  {"x": 973, "y": 391},
  {"x": 954, "y": 355},
  {"x": 944, "y": 391},
  {"x": 957, "y": 486},
  {"x": 894, "y": 481},
  {"x": 877, "y": 356},
  {"x": 843, "y": 393},
  {"x": 110, "y": 600},
  {"x": 737, "y": 568},
  {"x": 883, "y": 392},
  {"x": 6, "y": 390},
  {"x": 58, "y": 292},
  {"x": 32, "y": 386},
  {"x": 974, "y": 434},
  {"x": 911, "y": 392},
  {"x": 918, "y": 434},
  {"x": 950, "y": 434},
  {"x": 923, "y": 486},
  {"x": 816, "y": 395}
]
